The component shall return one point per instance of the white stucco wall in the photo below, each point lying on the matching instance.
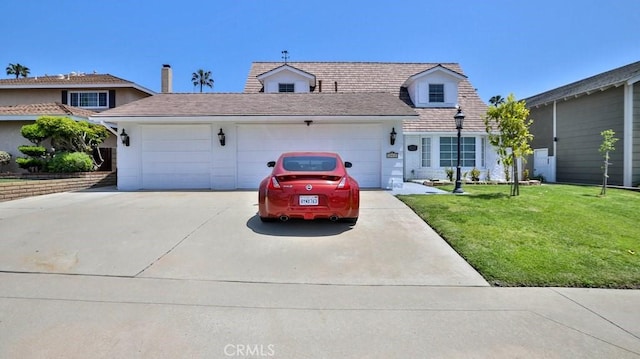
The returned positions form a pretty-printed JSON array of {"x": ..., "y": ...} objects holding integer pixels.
[{"x": 225, "y": 161}]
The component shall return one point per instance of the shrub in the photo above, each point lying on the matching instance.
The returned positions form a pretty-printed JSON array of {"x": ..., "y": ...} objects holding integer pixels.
[
  {"x": 33, "y": 133},
  {"x": 65, "y": 134},
  {"x": 70, "y": 162},
  {"x": 475, "y": 174},
  {"x": 525, "y": 174},
  {"x": 449, "y": 172},
  {"x": 5, "y": 158},
  {"x": 31, "y": 164},
  {"x": 33, "y": 151}
]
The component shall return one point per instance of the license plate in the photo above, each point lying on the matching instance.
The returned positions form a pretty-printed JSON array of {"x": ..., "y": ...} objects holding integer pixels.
[{"x": 308, "y": 200}]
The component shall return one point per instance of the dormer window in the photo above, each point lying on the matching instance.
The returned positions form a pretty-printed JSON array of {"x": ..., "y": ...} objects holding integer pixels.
[
  {"x": 287, "y": 78},
  {"x": 434, "y": 87},
  {"x": 286, "y": 87},
  {"x": 436, "y": 93}
]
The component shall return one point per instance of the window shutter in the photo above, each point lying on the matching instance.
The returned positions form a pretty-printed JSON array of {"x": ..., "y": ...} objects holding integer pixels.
[
  {"x": 64, "y": 97},
  {"x": 112, "y": 98}
]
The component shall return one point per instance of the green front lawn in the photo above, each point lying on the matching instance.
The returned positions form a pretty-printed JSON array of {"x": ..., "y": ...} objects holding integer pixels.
[{"x": 551, "y": 235}]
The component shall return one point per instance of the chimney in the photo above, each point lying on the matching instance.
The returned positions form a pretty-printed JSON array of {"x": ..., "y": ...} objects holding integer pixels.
[{"x": 166, "y": 79}]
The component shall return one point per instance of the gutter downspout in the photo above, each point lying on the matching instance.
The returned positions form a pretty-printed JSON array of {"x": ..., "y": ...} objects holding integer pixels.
[
  {"x": 627, "y": 159},
  {"x": 554, "y": 169}
]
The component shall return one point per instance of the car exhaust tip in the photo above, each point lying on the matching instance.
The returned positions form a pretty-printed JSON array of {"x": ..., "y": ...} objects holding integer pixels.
[
  {"x": 333, "y": 218},
  {"x": 284, "y": 218}
]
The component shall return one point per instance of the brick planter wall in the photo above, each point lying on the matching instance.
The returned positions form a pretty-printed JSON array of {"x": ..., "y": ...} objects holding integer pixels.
[{"x": 46, "y": 183}]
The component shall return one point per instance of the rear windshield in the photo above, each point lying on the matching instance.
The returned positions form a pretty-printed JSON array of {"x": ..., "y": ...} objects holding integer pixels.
[{"x": 309, "y": 163}]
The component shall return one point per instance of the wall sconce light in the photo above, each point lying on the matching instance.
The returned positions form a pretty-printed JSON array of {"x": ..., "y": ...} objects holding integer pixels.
[
  {"x": 392, "y": 136},
  {"x": 221, "y": 137},
  {"x": 125, "y": 138},
  {"x": 308, "y": 122}
]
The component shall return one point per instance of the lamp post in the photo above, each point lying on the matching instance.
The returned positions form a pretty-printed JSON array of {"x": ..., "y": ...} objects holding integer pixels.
[{"x": 459, "y": 117}]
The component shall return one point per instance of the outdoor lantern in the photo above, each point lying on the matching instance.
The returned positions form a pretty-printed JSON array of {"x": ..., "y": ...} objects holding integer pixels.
[
  {"x": 459, "y": 117},
  {"x": 125, "y": 138},
  {"x": 221, "y": 137},
  {"x": 392, "y": 136}
]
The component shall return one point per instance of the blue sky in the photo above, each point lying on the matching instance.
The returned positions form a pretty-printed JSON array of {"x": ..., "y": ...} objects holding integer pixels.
[{"x": 520, "y": 47}]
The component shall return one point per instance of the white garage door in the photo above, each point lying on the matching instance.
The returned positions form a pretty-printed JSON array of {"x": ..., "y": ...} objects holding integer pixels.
[
  {"x": 176, "y": 156},
  {"x": 359, "y": 144}
]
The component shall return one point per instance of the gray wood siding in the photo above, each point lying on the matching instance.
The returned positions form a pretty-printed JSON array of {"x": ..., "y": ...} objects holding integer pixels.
[
  {"x": 636, "y": 135},
  {"x": 542, "y": 131},
  {"x": 579, "y": 123},
  {"x": 542, "y": 127}
]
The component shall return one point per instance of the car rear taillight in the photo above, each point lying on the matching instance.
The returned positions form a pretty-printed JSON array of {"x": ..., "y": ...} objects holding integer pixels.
[
  {"x": 344, "y": 183},
  {"x": 274, "y": 184}
]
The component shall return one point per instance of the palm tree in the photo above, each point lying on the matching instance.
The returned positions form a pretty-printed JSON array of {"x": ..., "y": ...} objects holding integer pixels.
[
  {"x": 18, "y": 70},
  {"x": 202, "y": 78},
  {"x": 496, "y": 100}
]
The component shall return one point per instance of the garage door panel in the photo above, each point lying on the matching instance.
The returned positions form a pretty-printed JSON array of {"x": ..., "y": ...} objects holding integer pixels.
[
  {"x": 176, "y": 168},
  {"x": 176, "y": 145},
  {"x": 177, "y": 157},
  {"x": 172, "y": 132},
  {"x": 176, "y": 181},
  {"x": 359, "y": 144}
]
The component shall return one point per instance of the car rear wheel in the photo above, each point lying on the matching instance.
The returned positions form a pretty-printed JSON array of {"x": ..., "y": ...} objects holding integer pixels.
[
  {"x": 350, "y": 220},
  {"x": 268, "y": 219}
]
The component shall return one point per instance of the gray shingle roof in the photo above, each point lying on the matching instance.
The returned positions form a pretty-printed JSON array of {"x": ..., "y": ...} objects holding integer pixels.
[
  {"x": 261, "y": 104},
  {"x": 602, "y": 81},
  {"x": 89, "y": 79},
  {"x": 45, "y": 109},
  {"x": 387, "y": 77},
  {"x": 69, "y": 80}
]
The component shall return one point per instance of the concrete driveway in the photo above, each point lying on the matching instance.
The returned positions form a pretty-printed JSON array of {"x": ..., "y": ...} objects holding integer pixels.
[
  {"x": 217, "y": 236},
  {"x": 195, "y": 275}
]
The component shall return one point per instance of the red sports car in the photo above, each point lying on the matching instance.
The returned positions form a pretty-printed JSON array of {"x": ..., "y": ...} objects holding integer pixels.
[{"x": 309, "y": 185}]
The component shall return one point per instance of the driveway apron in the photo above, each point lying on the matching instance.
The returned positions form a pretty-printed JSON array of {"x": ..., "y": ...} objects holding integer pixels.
[{"x": 217, "y": 236}]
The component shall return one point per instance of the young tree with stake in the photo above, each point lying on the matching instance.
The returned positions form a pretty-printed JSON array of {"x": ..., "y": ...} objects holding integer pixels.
[
  {"x": 507, "y": 124},
  {"x": 608, "y": 142}
]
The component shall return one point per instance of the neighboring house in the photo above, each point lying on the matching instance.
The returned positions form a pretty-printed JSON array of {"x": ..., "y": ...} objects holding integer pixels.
[
  {"x": 350, "y": 108},
  {"x": 12, "y": 118},
  {"x": 76, "y": 95},
  {"x": 95, "y": 92},
  {"x": 567, "y": 122}
]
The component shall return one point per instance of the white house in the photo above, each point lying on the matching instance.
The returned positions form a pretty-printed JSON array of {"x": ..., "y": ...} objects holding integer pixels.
[{"x": 223, "y": 141}]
